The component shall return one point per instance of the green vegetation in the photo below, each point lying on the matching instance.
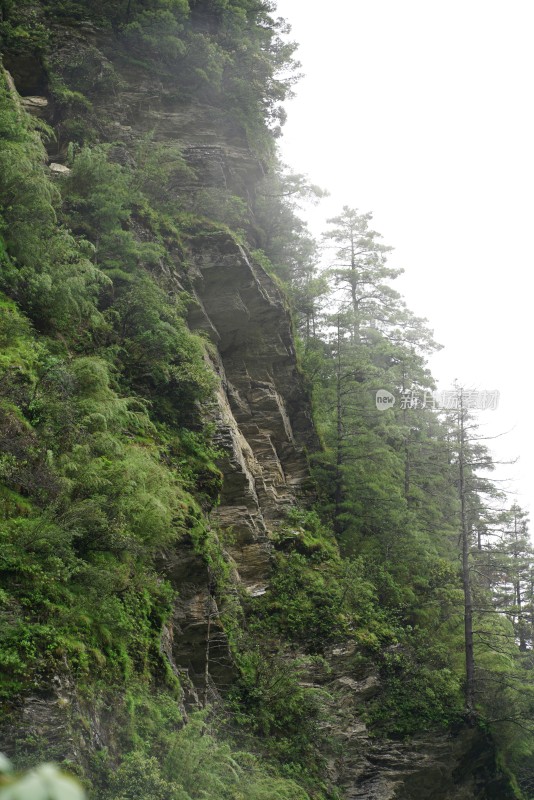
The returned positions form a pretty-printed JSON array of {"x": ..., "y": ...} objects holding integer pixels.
[
  {"x": 402, "y": 490},
  {"x": 109, "y": 469}
]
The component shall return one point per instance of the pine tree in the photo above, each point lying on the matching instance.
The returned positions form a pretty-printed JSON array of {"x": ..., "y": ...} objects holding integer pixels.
[
  {"x": 513, "y": 556},
  {"x": 359, "y": 267}
]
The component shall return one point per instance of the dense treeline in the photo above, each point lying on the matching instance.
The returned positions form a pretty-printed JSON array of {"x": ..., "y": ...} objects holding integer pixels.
[
  {"x": 405, "y": 491},
  {"x": 447, "y": 554},
  {"x": 107, "y": 455}
]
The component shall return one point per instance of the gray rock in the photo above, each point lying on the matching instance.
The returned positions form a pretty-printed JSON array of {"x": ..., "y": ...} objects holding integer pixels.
[
  {"x": 59, "y": 169},
  {"x": 37, "y": 106}
]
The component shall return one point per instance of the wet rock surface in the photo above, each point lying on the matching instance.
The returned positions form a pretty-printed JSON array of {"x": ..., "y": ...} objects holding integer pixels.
[
  {"x": 264, "y": 417},
  {"x": 455, "y": 765}
]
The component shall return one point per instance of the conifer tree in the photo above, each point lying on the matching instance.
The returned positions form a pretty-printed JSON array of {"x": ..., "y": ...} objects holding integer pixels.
[{"x": 359, "y": 267}]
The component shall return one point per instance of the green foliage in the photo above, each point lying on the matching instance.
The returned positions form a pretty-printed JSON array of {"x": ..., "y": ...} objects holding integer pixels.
[
  {"x": 158, "y": 31},
  {"x": 140, "y": 776},
  {"x": 303, "y": 603},
  {"x": 97, "y": 505},
  {"x": 44, "y": 268},
  {"x": 305, "y": 597},
  {"x": 422, "y": 688},
  {"x": 315, "y": 598},
  {"x": 305, "y": 534},
  {"x": 98, "y": 199},
  {"x": 21, "y": 28},
  {"x": 197, "y": 764},
  {"x": 161, "y": 170},
  {"x": 219, "y": 206},
  {"x": 252, "y": 82},
  {"x": 92, "y": 489},
  {"x": 160, "y": 357},
  {"x": 271, "y": 700},
  {"x": 124, "y": 17},
  {"x": 18, "y": 355}
]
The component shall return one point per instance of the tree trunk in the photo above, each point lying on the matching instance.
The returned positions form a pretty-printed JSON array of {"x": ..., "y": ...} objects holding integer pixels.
[
  {"x": 209, "y": 606},
  {"x": 517, "y": 592},
  {"x": 338, "y": 496},
  {"x": 466, "y": 579},
  {"x": 353, "y": 293}
]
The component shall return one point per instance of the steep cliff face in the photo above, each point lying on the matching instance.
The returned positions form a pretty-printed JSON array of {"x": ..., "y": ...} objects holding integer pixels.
[
  {"x": 263, "y": 415},
  {"x": 264, "y": 418},
  {"x": 458, "y": 765},
  {"x": 264, "y": 427}
]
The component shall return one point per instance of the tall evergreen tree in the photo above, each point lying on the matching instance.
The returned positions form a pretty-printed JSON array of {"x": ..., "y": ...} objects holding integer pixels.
[{"x": 359, "y": 267}]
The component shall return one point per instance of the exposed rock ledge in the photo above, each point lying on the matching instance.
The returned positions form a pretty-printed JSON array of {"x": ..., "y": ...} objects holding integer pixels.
[
  {"x": 264, "y": 416},
  {"x": 459, "y": 764},
  {"x": 263, "y": 427}
]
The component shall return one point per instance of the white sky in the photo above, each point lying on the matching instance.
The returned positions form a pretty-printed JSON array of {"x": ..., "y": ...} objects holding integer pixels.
[{"x": 421, "y": 111}]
